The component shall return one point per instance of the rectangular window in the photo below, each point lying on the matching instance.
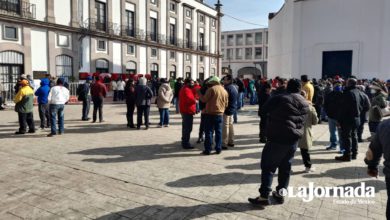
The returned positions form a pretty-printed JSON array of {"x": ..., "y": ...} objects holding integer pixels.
[
  {"x": 188, "y": 13},
  {"x": 10, "y": 6},
  {"x": 239, "y": 39},
  {"x": 131, "y": 49},
  {"x": 258, "y": 53},
  {"x": 230, "y": 40},
  {"x": 101, "y": 45},
  {"x": 130, "y": 23},
  {"x": 172, "y": 55},
  {"x": 201, "y": 18},
  {"x": 153, "y": 29},
  {"x": 10, "y": 33},
  {"x": 154, "y": 52},
  {"x": 259, "y": 38},
  {"x": 201, "y": 59},
  {"x": 213, "y": 22},
  {"x": 172, "y": 34},
  {"x": 201, "y": 42},
  {"x": 62, "y": 40},
  {"x": 248, "y": 53},
  {"x": 188, "y": 38},
  {"x": 229, "y": 54},
  {"x": 101, "y": 16},
  {"x": 188, "y": 57},
  {"x": 172, "y": 7},
  {"x": 222, "y": 40},
  {"x": 249, "y": 39},
  {"x": 239, "y": 54}
]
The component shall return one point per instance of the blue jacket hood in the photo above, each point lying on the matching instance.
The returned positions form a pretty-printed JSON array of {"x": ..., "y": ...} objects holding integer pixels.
[{"x": 45, "y": 82}]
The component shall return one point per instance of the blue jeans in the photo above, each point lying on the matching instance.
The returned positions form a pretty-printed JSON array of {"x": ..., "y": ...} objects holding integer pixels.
[
  {"x": 332, "y": 130},
  {"x": 213, "y": 123},
  {"x": 176, "y": 101},
  {"x": 276, "y": 156},
  {"x": 240, "y": 100},
  {"x": 54, "y": 111},
  {"x": 164, "y": 116},
  {"x": 186, "y": 129},
  {"x": 252, "y": 97}
]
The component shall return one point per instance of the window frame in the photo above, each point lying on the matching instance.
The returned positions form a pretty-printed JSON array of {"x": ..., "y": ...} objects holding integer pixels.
[
  {"x": 128, "y": 47},
  {"x": 151, "y": 52},
  {"x": 98, "y": 45},
  {"x": 67, "y": 40},
  {"x": 16, "y": 33}
]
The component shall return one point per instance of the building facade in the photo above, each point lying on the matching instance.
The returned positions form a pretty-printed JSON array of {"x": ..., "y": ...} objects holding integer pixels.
[
  {"x": 324, "y": 38},
  {"x": 69, "y": 38},
  {"x": 245, "y": 52}
]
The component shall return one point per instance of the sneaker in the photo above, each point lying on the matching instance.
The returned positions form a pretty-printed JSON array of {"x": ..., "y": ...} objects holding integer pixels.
[
  {"x": 331, "y": 148},
  {"x": 18, "y": 133},
  {"x": 258, "y": 201},
  {"x": 205, "y": 152},
  {"x": 310, "y": 169},
  {"x": 218, "y": 152},
  {"x": 159, "y": 126},
  {"x": 31, "y": 131},
  {"x": 50, "y": 135},
  {"x": 344, "y": 158},
  {"x": 224, "y": 148},
  {"x": 278, "y": 198}
]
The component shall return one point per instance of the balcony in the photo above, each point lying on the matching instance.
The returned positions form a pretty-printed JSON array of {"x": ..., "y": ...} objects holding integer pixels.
[{"x": 18, "y": 9}]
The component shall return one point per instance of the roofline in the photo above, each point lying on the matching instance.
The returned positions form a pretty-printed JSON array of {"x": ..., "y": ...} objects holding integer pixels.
[
  {"x": 245, "y": 30},
  {"x": 273, "y": 14}
]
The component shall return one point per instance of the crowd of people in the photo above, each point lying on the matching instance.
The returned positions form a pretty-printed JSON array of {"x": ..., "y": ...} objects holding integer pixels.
[{"x": 287, "y": 109}]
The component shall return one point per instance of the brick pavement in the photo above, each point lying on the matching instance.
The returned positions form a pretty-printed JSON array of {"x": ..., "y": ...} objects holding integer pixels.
[{"x": 105, "y": 171}]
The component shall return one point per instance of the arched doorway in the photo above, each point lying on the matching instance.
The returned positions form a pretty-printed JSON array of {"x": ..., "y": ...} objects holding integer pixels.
[
  {"x": 131, "y": 67},
  {"x": 102, "y": 66},
  {"x": 249, "y": 72},
  {"x": 201, "y": 74},
  {"x": 172, "y": 72},
  {"x": 64, "y": 68},
  {"x": 154, "y": 70},
  {"x": 188, "y": 72},
  {"x": 11, "y": 67}
]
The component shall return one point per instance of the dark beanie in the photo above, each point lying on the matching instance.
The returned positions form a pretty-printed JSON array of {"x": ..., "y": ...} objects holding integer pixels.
[
  {"x": 60, "y": 81},
  {"x": 304, "y": 78},
  {"x": 293, "y": 86}
]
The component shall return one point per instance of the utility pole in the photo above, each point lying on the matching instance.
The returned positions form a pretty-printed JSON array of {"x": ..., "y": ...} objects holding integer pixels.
[{"x": 219, "y": 16}]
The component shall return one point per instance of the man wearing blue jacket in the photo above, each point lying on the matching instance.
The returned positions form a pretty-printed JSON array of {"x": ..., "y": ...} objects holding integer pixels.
[
  {"x": 43, "y": 102},
  {"x": 228, "y": 130}
]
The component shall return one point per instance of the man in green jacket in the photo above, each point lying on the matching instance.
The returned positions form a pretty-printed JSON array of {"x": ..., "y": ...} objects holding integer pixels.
[{"x": 24, "y": 105}]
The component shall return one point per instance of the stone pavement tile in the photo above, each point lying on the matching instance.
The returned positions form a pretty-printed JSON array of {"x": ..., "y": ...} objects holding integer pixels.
[
  {"x": 295, "y": 216},
  {"x": 9, "y": 216},
  {"x": 73, "y": 214},
  {"x": 26, "y": 211},
  {"x": 327, "y": 214}
]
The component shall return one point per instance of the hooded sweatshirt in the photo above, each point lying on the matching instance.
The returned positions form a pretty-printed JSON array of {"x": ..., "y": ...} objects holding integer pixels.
[{"x": 43, "y": 91}]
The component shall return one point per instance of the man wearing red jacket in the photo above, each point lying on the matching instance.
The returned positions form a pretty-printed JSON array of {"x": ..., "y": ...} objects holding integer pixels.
[
  {"x": 187, "y": 106},
  {"x": 98, "y": 93}
]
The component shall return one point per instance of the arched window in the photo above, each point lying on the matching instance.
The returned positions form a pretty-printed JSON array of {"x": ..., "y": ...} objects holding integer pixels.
[
  {"x": 201, "y": 74},
  {"x": 11, "y": 66},
  {"x": 172, "y": 72},
  {"x": 102, "y": 66},
  {"x": 188, "y": 72},
  {"x": 131, "y": 67},
  {"x": 64, "y": 66}
]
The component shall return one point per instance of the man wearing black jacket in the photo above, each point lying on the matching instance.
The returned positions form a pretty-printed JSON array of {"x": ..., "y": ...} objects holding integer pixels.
[
  {"x": 349, "y": 119},
  {"x": 286, "y": 116},
  {"x": 228, "y": 129},
  {"x": 380, "y": 145}
]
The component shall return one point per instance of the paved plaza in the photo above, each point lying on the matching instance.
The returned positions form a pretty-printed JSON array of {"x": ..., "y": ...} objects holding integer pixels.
[{"x": 106, "y": 171}]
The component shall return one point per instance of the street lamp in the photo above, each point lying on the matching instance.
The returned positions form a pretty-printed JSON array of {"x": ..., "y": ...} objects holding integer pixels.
[{"x": 219, "y": 15}]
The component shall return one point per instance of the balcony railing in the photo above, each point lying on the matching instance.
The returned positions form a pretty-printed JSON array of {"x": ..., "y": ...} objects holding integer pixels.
[
  {"x": 140, "y": 34},
  {"x": 22, "y": 9}
]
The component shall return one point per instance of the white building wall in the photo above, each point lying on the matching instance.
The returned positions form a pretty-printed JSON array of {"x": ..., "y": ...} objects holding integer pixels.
[
  {"x": 85, "y": 10},
  {"x": 194, "y": 67},
  {"x": 62, "y": 12},
  {"x": 142, "y": 67},
  {"x": 206, "y": 67},
  {"x": 142, "y": 15},
  {"x": 163, "y": 63},
  {"x": 301, "y": 31},
  {"x": 116, "y": 15},
  {"x": 86, "y": 55},
  {"x": 40, "y": 9},
  {"x": 117, "y": 57},
  {"x": 180, "y": 65},
  {"x": 163, "y": 15},
  {"x": 39, "y": 50}
]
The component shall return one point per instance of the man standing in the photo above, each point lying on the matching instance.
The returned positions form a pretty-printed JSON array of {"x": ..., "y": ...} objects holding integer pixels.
[
  {"x": 84, "y": 95},
  {"x": 380, "y": 145},
  {"x": 176, "y": 97},
  {"x": 130, "y": 102},
  {"x": 216, "y": 99},
  {"x": 286, "y": 116},
  {"x": 120, "y": 85},
  {"x": 187, "y": 106},
  {"x": 228, "y": 130},
  {"x": 264, "y": 95},
  {"x": 307, "y": 87},
  {"x": 143, "y": 95},
  {"x": 59, "y": 95},
  {"x": 349, "y": 119},
  {"x": 24, "y": 101},
  {"x": 114, "y": 87},
  {"x": 98, "y": 93},
  {"x": 43, "y": 102},
  {"x": 2, "y": 96}
]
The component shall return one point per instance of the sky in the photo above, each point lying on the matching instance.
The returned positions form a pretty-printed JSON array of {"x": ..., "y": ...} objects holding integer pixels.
[{"x": 253, "y": 11}]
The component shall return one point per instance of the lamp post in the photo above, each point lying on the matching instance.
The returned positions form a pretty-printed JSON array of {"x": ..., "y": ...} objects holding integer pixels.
[{"x": 219, "y": 15}]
